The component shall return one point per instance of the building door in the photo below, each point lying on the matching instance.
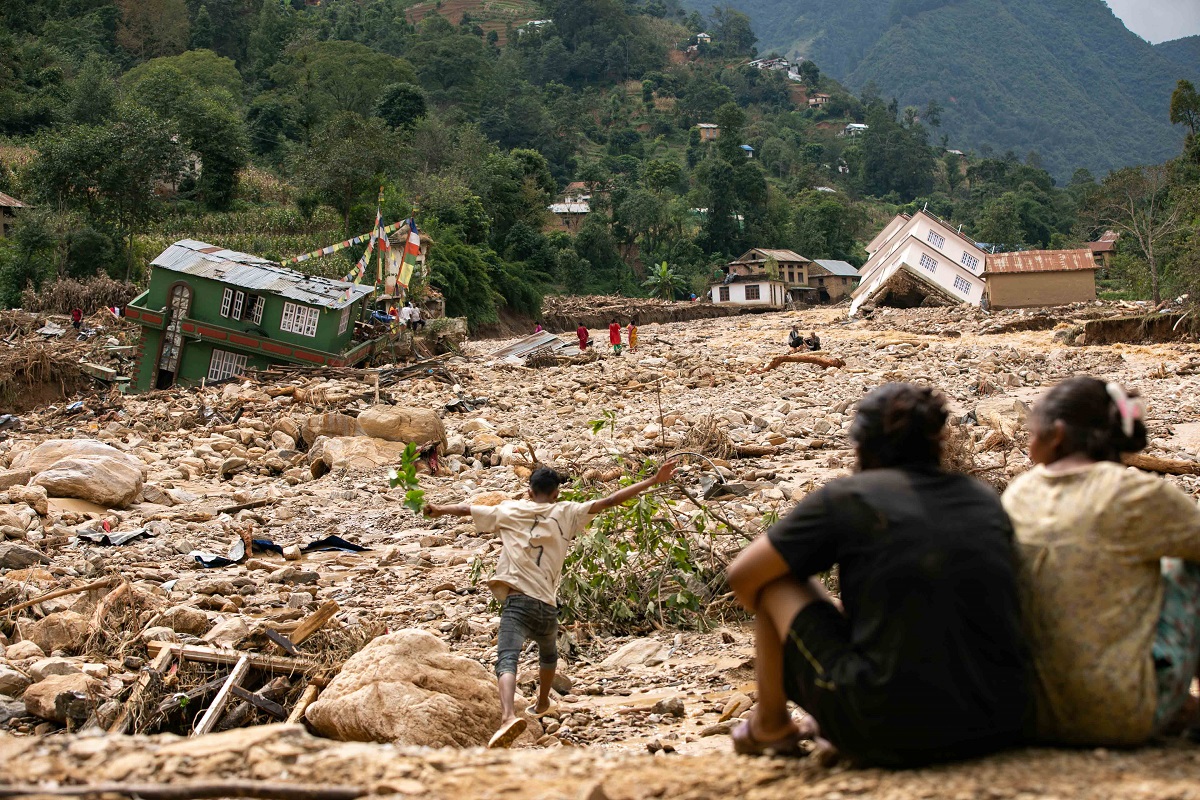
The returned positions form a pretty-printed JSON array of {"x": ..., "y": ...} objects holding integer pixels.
[{"x": 172, "y": 348}]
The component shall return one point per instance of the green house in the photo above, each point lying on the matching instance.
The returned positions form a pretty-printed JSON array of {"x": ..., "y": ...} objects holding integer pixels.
[{"x": 210, "y": 314}]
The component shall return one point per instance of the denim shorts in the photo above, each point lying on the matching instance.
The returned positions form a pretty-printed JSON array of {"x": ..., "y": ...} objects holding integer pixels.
[
  {"x": 523, "y": 618},
  {"x": 1177, "y": 640}
]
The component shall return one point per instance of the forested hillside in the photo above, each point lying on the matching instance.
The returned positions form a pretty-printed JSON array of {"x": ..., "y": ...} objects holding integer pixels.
[
  {"x": 269, "y": 127},
  {"x": 1184, "y": 52},
  {"x": 1062, "y": 77}
]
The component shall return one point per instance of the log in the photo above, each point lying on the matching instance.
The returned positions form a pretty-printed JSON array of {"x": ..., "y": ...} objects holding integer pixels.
[
  {"x": 214, "y": 655},
  {"x": 180, "y": 698},
  {"x": 106, "y": 605},
  {"x": 259, "y": 702},
  {"x": 306, "y": 699},
  {"x": 87, "y": 587},
  {"x": 197, "y": 790},
  {"x": 314, "y": 622},
  {"x": 213, "y": 715},
  {"x": 804, "y": 358},
  {"x": 157, "y": 667},
  {"x": 1163, "y": 466}
]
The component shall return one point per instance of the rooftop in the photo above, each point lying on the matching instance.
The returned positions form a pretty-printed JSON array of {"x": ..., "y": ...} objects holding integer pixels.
[
  {"x": 1040, "y": 261},
  {"x": 837, "y": 267},
  {"x": 778, "y": 255},
  {"x": 7, "y": 201},
  {"x": 202, "y": 260}
]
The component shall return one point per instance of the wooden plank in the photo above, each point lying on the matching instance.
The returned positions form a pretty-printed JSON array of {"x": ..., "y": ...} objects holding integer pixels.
[
  {"x": 214, "y": 655},
  {"x": 259, "y": 702},
  {"x": 314, "y": 622},
  {"x": 213, "y": 715},
  {"x": 158, "y": 666},
  {"x": 284, "y": 642},
  {"x": 1163, "y": 466},
  {"x": 306, "y": 699}
]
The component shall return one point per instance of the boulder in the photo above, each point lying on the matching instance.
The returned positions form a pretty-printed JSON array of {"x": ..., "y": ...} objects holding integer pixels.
[
  {"x": 44, "y": 668},
  {"x": 186, "y": 619},
  {"x": 19, "y": 651},
  {"x": 63, "y": 697},
  {"x": 635, "y": 653},
  {"x": 407, "y": 687},
  {"x": 400, "y": 424},
  {"x": 1003, "y": 414},
  {"x": 356, "y": 453},
  {"x": 20, "y": 556},
  {"x": 109, "y": 482},
  {"x": 50, "y": 452},
  {"x": 32, "y": 496},
  {"x": 10, "y": 709},
  {"x": 13, "y": 682},
  {"x": 14, "y": 477},
  {"x": 228, "y": 632},
  {"x": 11, "y": 516},
  {"x": 331, "y": 425},
  {"x": 63, "y": 630}
]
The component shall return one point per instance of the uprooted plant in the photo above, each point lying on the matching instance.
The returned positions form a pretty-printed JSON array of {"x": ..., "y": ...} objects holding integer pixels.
[{"x": 406, "y": 477}]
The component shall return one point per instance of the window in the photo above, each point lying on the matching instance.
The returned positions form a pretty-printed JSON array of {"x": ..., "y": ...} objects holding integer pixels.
[
  {"x": 928, "y": 263},
  {"x": 970, "y": 262},
  {"x": 752, "y": 292},
  {"x": 299, "y": 319},
  {"x": 226, "y": 302},
  {"x": 225, "y": 365},
  {"x": 239, "y": 298},
  {"x": 962, "y": 285},
  {"x": 936, "y": 239},
  {"x": 344, "y": 322},
  {"x": 256, "y": 309},
  {"x": 723, "y": 294}
]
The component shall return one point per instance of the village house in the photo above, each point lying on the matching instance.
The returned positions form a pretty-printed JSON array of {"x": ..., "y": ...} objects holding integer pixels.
[
  {"x": 210, "y": 314},
  {"x": 917, "y": 257},
  {"x": 833, "y": 280},
  {"x": 764, "y": 277},
  {"x": 8, "y": 212},
  {"x": 819, "y": 100},
  {"x": 569, "y": 214},
  {"x": 1104, "y": 248},
  {"x": 709, "y": 131},
  {"x": 747, "y": 149},
  {"x": 1040, "y": 278},
  {"x": 855, "y": 129},
  {"x": 703, "y": 38}
]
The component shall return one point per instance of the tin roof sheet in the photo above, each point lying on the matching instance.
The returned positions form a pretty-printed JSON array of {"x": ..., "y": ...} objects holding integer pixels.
[
  {"x": 8, "y": 201},
  {"x": 251, "y": 272},
  {"x": 837, "y": 267},
  {"x": 1039, "y": 261}
]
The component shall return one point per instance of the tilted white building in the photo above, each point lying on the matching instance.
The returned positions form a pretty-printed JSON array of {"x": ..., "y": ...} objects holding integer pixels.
[{"x": 920, "y": 256}]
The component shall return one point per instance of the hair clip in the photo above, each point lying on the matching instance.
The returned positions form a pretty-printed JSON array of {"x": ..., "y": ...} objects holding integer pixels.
[{"x": 1131, "y": 409}]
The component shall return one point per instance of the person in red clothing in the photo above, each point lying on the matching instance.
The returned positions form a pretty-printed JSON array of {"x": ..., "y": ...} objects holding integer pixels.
[
  {"x": 614, "y": 336},
  {"x": 582, "y": 333},
  {"x": 77, "y": 318}
]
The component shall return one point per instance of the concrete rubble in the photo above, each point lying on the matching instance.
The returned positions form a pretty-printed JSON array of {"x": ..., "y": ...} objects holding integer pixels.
[{"x": 293, "y": 458}]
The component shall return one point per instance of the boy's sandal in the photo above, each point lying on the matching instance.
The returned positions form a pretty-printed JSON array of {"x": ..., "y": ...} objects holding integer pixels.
[
  {"x": 744, "y": 743},
  {"x": 507, "y": 734},
  {"x": 533, "y": 712}
]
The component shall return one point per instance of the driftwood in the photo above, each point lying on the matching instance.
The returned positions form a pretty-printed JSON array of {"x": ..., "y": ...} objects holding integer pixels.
[
  {"x": 314, "y": 622},
  {"x": 804, "y": 358},
  {"x": 104, "y": 606},
  {"x": 214, "y": 655},
  {"x": 306, "y": 699},
  {"x": 199, "y": 790},
  {"x": 1163, "y": 466},
  {"x": 213, "y": 715},
  {"x": 87, "y": 587},
  {"x": 157, "y": 667}
]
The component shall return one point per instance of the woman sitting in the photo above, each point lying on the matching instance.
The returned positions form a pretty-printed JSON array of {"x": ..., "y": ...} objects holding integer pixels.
[
  {"x": 1113, "y": 622},
  {"x": 923, "y": 660}
]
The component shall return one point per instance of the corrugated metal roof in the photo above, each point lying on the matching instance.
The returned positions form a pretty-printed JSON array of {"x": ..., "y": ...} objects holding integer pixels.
[
  {"x": 8, "y": 201},
  {"x": 1040, "y": 261},
  {"x": 778, "y": 255},
  {"x": 570, "y": 208},
  {"x": 251, "y": 272},
  {"x": 837, "y": 267}
]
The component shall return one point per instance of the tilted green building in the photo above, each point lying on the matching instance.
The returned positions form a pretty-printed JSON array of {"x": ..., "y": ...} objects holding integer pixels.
[{"x": 210, "y": 314}]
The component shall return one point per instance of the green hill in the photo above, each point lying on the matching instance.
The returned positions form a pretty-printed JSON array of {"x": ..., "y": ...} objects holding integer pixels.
[
  {"x": 1063, "y": 77},
  {"x": 1183, "y": 52}
]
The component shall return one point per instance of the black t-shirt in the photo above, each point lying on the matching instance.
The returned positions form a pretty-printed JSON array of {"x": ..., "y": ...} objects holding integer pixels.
[{"x": 927, "y": 574}]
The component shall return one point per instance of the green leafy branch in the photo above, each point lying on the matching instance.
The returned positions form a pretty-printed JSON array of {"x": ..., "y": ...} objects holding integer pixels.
[{"x": 406, "y": 477}]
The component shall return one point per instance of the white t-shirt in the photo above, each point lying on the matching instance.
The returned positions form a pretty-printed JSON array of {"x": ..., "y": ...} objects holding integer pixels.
[
  {"x": 415, "y": 313},
  {"x": 536, "y": 539},
  {"x": 405, "y": 314}
]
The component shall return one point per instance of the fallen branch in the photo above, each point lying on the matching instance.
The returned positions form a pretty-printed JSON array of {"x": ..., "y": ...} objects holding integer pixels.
[
  {"x": 106, "y": 605},
  {"x": 87, "y": 587},
  {"x": 805, "y": 358},
  {"x": 213, "y": 715},
  {"x": 307, "y": 699},
  {"x": 1163, "y": 466},
  {"x": 162, "y": 660},
  {"x": 263, "y": 790}
]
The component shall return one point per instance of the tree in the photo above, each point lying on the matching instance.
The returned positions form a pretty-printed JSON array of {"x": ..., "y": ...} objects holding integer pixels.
[
  {"x": 202, "y": 30},
  {"x": 810, "y": 73},
  {"x": 332, "y": 77},
  {"x": 664, "y": 282},
  {"x": 343, "y": 163},
  {"x": 732, "y": 30},
  {"x": 1136, "y": 202},
  {"x": 1185, "y": 106},
  {"x": 93, "y": 94},
  {"x": 150, "y": 28},
  {"x": 933, "y": 113},
  {"x": 400, "y": 105}
]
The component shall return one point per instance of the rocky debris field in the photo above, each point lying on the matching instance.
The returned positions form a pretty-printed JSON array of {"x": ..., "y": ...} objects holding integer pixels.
[{"x": 118, "y": 501}]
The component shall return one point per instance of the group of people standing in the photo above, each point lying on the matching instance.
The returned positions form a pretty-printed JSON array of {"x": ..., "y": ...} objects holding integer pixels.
[
  {"x": 1066, "y": 611},
  {"x": 630, "y": 341}
]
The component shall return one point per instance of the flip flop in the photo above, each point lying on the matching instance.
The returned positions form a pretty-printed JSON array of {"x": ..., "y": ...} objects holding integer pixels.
[
  {"x": 745, "y": 744},
  {"x": 550, "y": 709},
  {"x": 507, "y": 734}
]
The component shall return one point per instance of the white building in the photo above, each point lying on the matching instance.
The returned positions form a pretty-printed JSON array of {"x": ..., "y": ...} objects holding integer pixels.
[
  {"x": 920, "y": 256},
  {"x": 752, "y": 291}
]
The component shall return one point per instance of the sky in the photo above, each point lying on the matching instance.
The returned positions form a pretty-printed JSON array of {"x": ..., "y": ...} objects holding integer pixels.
[{"x": 1159, "y": 20}]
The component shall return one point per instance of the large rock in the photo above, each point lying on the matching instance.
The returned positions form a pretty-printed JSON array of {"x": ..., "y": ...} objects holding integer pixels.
[
  {"x": 638, "y": 652},
  {"x": 63, "y": 697},
  {"x": 331, "y": 425},
  {"x": 19, "y": 556},
  {"x": 13, "y": 682},
  {"x": 32, "y": 496},
  {"x": 399, "y": 424},
  {"x": 22, "y": 650},
  {"x": 109, "y": 482},
  {"x": 356, "y": 453},
  {"x": 50, "y": 452},
  {"x": 186, "y": 619},
  {"x": 14, "y": 477},
  {"x": 407, "y": 687},
  {"x": 63, "y": 630}
]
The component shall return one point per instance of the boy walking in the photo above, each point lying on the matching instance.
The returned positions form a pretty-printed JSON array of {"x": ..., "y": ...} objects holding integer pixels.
[{"x": 536, "y": 535}]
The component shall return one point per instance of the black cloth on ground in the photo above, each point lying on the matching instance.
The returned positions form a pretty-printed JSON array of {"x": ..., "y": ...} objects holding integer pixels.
[{"x": 929, "y": 662}]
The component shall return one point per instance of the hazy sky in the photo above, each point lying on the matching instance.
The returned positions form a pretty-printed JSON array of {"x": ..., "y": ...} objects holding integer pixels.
[{"x": 1159, "y": 20}]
